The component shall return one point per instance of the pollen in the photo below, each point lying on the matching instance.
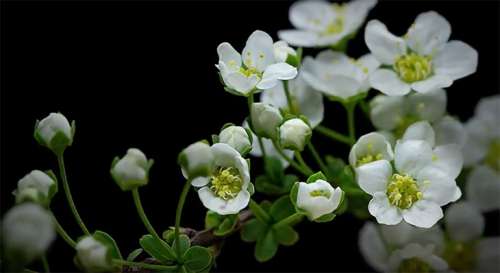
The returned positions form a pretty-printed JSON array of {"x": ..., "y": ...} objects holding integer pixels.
[
  {"x": 403, "y": 191},
  {"x": 369, "y": 158},
  {"x": 226, "y": 183},
  {"x": 320, "y": 193},
  {"x": 413, "y": 67}
]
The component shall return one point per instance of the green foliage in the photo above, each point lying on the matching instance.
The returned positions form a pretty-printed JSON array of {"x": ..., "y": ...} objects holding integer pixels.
[
  {"x": 315, "y": 177},
  {"x": 157, "y": 249},
  {"x": 197, "y": 259},
  {"x": 184, "y": 244},
  {"x": 221, "y": 225},
  {"x": 274, "y": 181},
  {"x": 134, "y": 254},
  {"x": 109, "y": 242}
]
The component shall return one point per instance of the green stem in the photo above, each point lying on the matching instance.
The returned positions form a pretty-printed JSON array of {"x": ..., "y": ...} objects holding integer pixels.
[
  {"x": 45, "y": 264},
  {"x": 145, "y": 265},
  {"x": 350, "y": 121},
  {"x": 142, "y": 215},
  {"x": 289, "y": 98},
  {"x": 69, "y": 197},
  {"x": 294, "y": 164},
  {"x": 259, "y": 212},
  {"x": 317, "y": 157},
  {"x": 302, "y": 162},
  {"x": 178, "y": 216},
  {"x": 60, "y": 230},
  {"x": 333, "y": 134},
  {"x": 365, "y": 108},
  {"x": 290, "y": 220}
]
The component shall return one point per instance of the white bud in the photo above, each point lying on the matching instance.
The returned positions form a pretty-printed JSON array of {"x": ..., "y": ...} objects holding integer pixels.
[
  {"x": 36, "y": 186},
  {"x": 282, "y": 50},
  {"x": 370, "y": 147},
  {"x": 92, "y": 255},
  {"x": 54, "y": 132},
  {"x": 27, "y": 232},
  {"x": 265, "y": 119},
  {"x": 236, "y": 137},
  {"x": 294, "y": 134},
  {"x": 318, "y": 198},
  {"x": 197, "y": 160},
  {"x": 132, "y": 170}
]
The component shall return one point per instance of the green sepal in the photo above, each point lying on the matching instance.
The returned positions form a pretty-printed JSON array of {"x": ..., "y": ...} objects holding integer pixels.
[
  {"x": 109, "y": 242},
  {"x": 215, "y": 138},
  {"x": 252, "y": 230},
  {"x": 315, "y": 177},
  {"x": 134, "y": 254},
  {"x": 169, "y": 235},
  {"x": 266, "y": 247},
  {"x": 54, "y": 188},
  {"x": 222, "y": 225},
  {"x": 349, "y": 101},
  {"x": 286, "y": 235},
  {"x": 251, "y": 189},
  {"x": 295, "y": 60},
  {"x": 157, "y": 249},
  {"x": 197, "y": 259},
  {"x": 281, "y": 209},
  {"x": 293, "y": 194},
  {"x": 229, "y": 124},
  {"x": 325, "y": 218}
]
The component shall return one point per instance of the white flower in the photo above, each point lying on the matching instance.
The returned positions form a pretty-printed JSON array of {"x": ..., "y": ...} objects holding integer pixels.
[
  {"x": 132, "y": 170},
  {"x": 226, "y": 190},
  {"x": 377, "y": 242},
  {"x": 93, "y": 255},
  {"x": 236, "y": 137},
  {"x": 414, "y": 190},
  {"x": 318, "y": 198},
  {"x": 336, "y": 75},
  {"x": 196, "y": 160},
  {"x": 305, "y": 100},
  {"x": 423, "y": 60},
  {"x": 369, "y": 148},
  {"x": 483, "y": 188},
  {"x": 256, "y": 69},
  {"x": 416, "y": 258},
  {"x": 295, "y": 134},
  {"x": 266, "y": 120},
  {"x": 54, "y": 132},
  {"x": 36, "y": 186},
  {"x": 27, "y": 232},
  {"x": 282, "y": 51},
  {"x": 322, "y": 24},
  {"x": 483, "y": 145},
  {"x": 467, "y": 250}
]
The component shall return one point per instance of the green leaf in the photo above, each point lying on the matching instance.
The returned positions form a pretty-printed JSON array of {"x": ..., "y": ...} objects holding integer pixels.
[
  {"x": 282, "y": 208},
  {"x": 212, "y": 219},
  {"x": 169, "y": 236},
  {"x": 286, "y": 235},
  {"x": 266, "y": 247},
  {"x": 335, "y": 166},
  {"x": 134, "y": 254},
  {"x": 107, "y": 240},
  {"x": 157, "y": 249},
  {"x": 252, "y": 230},
  {"x": 227, "y": 225},
  {"x": 184, "y": 243},
  {"x": 274, "y": 170},
  {"x": 197, "y": 258},
  {"x": 316, "y": 176},
  {"x": 325, "y": 218}
]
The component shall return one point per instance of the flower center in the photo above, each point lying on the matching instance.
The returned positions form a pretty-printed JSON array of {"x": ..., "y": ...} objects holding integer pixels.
[
  {"x": 413, "y": 67},
  {"x": 414, "y": 265},
  {"x": 226, "y": 183},
  {"x": 369, "y": 158},
  {"x": 460, "y": 256},
  {"x": 249, "y": 71},
  {"x": 403, "y": 191},
  {"x": 320, "y": 193},
  {"x": 492, "y": 159}
]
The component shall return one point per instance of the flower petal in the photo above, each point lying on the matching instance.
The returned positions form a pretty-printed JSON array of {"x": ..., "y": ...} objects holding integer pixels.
[
  {"x": 449, "y": 159},
  {"x": 450, "y": 131},
  {"x": 258, "y": 51},
  {"x": 229, "y": 56},
  {"x": 384, "y": 212},
  {"x": 464, "y": 222},
  {"x": 372, "y": 144},
  {"x": 423, "y": 214},
  {"x": 429, "y": 33},
  {"x": 421, "y": 130},
  {"x": 387, "y": 82},
  {"x": 275, "y": 72},
  {"x": 483, "y": 188},
  {"x": 411, "y": 156},
  {"x": 456, "y": 60},
  {"x": 436, "y": 186},
  {"x": 385, "y": 46},
  {"x": 299, "y": 37},
  {"x": 241, "y": 83},
  {"x": 372, "y": 247},
  {"x": 200, "y": 181},
  {"x": 221, "y": 206},
  {"x": 430, "y": 106},
  {"x": 373, "y": 177},
  {"x": 434, "y": 82},
  {"x": 387, "y": 111},
  {"x": 310, "y": 15}
]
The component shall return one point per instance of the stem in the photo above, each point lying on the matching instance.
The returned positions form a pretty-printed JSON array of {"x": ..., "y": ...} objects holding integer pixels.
[
  {"x": 259, "y": 212},
  {"x": 45, "y": 264},
  {"x": 142, "y": 215},
  {"x": 292, "y": 163},
  {"x": 350, "y": 121},
  {"x": 317, "y": 157},
  {"x": 290, "y": 220},
  {"x": 63, "y": 233},
  {"x": 333, "y": 134},
  {"x": 62, "y": 173},
  {"x": 145, "y": 265},
  {"x": 302, "y": 162},
  {"x": 288, "y": 98},
  {"x": 365, "y": 107},
  {"x": 178, "y": 216}
]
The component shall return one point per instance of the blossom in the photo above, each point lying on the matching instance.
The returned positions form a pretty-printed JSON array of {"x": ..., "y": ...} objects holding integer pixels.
[
  {"x": 237, "y": 137},
  {"x": 196, "y": 160},
  {"x": 305, "y": 100},
  {"x": 225, "y": 191},
  {"x": 132, "y": 170},
  {"x": 93, "y": 255},
  {"x": 282, "y": 50},
  {"x": 369, "y": 148},
  {"x": 54, "y": 132},
  {"x": 295, "y": 134},
  {"x": 336, "y": 75},
  {"x": 322, "y": 24},
  {"x": 483, "y": 188},
  {"x": 256, "y": 69},
  {"x": 36, "y": 186},
  {"x": 265, "y": 120},
  {"x": 318, "y": 198},
  {"x": 416, "y": 258},
  {"x": 422, "y": 60}
]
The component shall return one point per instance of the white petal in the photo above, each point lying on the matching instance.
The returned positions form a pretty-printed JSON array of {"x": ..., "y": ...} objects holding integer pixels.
[
  {"x": 310, "y": 101},
  {"x": 423, "y": 214},
  {"x": 221, "y": 206},
  {"x": 411, "y": 156},
  {"x": 436, "y": 186},
  {"x": 385, "y": 213},
  {"x": 373, "y": 177},
  {"x": 372, "y": 247},
  {"x": 224, "y": 155},
  {"x": 371, "y": 144},
  {"x": 310, "y": 15},
  {"x": 456, "y": 60},
  {"x": 488, "y": 109},
  {"x": 275, "y": 72},
  {"x": 229, "y": 56},
  {"x": 483, "y": 188},
  {"x": 488, "y": 259},
  {"x": 387, "y": 82},
  {"x": 299, "y": 37},
  {"x": 200, "y": 181},
  {"x": 384, "y": 45},
  {"x": 241, "y": 83},
  {"x": 421, "y": 130},
  {"x": 430, "y": 106},
  {"x": 387, "y": 111},
  {"x": 464, "y": 222},
  {"x": 429, "y": 33},
  {"x": 258, "y": 51},
  {"x": 449, "y": 159},
  {"x": 478, "y": 140},
  {"x": 369, "y": 62},
  {"x": 355, "y": 14},
  {"x": 449, "y": 130},
  {"x": 430, "y": 84}
]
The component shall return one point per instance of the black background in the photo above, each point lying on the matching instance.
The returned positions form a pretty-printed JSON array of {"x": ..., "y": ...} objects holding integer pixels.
[{"x": 142, "y": 75}]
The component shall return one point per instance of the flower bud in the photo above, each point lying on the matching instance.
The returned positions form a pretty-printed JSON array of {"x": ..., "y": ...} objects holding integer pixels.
[
  {"x": 294, "y": 134},
  {"x": 55, "y": 133},
  {"x": 93, "y": 256},
  {"x": 132, "y": 170},
  {"x": 196, "y": 160},
  {"x": 27, "y": 232},
  {"x": 36, "y": 186},
  {"x": 265, "y": 119},
  {"x": 282, "y": 51},
  {"x": 236, "y": 137},
  {"x": 318, "y": 198}
]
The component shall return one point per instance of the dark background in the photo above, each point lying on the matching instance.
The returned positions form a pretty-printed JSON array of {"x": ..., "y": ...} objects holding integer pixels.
[{"x": 142, "y": 75}]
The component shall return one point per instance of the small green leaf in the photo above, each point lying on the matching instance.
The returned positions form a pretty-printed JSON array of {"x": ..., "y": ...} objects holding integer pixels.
[
  {"x": 134, "y": 254},
  {"x": 157, "y": 249},
  {"x": 266, "y": 247},
  {"x": 184, "y": 243},
  {"x": 252, "y": 230},
  {"x": 169, "y": 236},
  {"x": 197, "y": 258},
  {"x": 227, "y": 225},
  {"x": 282, "y": 208},
  {"x": 316, "y": 176},
  {"x": 325, "y": 218},
  {"x": 274, "y": 170},
  {"x": 107, "y": 240},
  {"x": 286, "y": 235},
  {"x": 212, "y": 219}
]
